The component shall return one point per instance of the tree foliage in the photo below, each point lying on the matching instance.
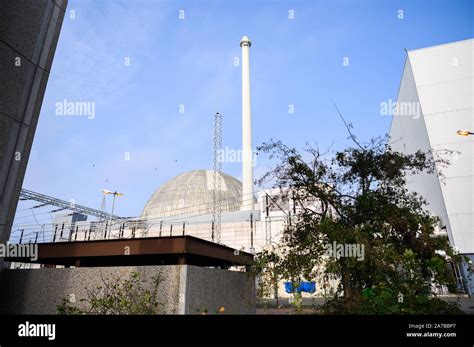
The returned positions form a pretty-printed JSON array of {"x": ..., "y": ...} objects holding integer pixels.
[{"x": 359, "y": 196}]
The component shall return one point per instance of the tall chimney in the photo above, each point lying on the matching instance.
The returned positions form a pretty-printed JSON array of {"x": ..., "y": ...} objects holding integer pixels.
[{"x": 247, "y": 165}]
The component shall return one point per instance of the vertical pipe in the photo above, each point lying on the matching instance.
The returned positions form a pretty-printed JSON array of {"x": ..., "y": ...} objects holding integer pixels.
[
  {"x": 251, "y": 232},
  {"x": 267, "y": 209},
  {"x": 184, "y": 223},
  {"x": 247, "y": 166},
  {"x": 55, "y": 232},
  {"x": 112, "y": 213},
  {"x": 212, "y": 231},
  {"x": 77, "y": 230},
  {"x": 61, "y": 234},
  {"x": 267, "y": 220},
  {"x": 171, "y": 230},
  {"x": 161, "y": 227}
]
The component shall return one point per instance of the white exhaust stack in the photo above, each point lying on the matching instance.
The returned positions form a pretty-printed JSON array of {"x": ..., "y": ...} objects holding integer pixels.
[{"x": 247, "y": 165}]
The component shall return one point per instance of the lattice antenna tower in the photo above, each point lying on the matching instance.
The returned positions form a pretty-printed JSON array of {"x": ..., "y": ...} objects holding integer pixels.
[
  {"x": 100, "y": 228},
  {"x": 217, "y": 179}
]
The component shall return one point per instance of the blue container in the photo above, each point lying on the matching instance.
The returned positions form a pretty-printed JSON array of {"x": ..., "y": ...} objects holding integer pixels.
[{"x": 307, "y": 287}]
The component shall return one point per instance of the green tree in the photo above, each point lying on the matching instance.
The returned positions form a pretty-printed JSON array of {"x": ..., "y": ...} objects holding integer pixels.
[{"x": 359, "y": 196}]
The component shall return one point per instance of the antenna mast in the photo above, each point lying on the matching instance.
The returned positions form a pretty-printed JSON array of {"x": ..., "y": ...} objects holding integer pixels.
[
  {"x": 100, "y": 228},
  {"x": 217, "y": 178}
]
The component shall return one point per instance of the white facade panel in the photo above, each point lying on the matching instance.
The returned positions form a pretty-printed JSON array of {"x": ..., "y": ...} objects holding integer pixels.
[
  {"x": 442, "y": 127},
  {"x": 443, "y": 81},
  {"x": 460, "y": 156},
  {"x": 462, "y": 224},
  {"x": 447, "y": 96},
  {"x": 455, "y": 190},
  {"x": 448, "y": 62},
  {"x": 408, "y": 134}
]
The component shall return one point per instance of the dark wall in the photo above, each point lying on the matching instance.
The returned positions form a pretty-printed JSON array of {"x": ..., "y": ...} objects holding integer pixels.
[{"x": 29, "y": 32}]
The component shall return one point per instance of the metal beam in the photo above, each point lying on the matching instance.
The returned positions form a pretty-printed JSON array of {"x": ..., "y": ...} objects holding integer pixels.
[
  {"x": 66, "y": 205},
  {"x": 142, "y": 251}
]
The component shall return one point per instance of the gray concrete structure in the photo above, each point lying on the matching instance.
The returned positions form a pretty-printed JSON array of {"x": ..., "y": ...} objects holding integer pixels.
[
  {"x": 29, "y": 31},
  {"x": 214, "y": 288},
  {"x": 184, "y": 289},
  {"x": 191, "y": 193}
]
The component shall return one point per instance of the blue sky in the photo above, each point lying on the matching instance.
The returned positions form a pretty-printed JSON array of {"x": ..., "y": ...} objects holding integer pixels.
[{"x": 190, "y": 61}]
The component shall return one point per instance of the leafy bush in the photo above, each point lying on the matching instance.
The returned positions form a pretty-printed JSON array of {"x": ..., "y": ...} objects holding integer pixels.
[{"x": 118, "y": 296}]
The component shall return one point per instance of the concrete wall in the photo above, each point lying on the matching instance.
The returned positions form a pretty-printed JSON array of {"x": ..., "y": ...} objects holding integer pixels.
[
  {"x": 184, "y": 289},
  {"x": 29, "y": 31},
  {"x": 211, "y": 289}
]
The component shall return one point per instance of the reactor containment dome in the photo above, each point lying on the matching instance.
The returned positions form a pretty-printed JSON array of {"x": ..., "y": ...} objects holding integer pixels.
[{"x": 191, "y": 193}]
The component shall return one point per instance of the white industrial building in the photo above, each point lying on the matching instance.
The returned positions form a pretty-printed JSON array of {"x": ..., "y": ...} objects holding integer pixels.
[{"x": 435, "y": 100}]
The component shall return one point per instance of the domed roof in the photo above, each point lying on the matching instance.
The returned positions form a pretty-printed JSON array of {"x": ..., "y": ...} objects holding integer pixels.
[{"x": 191, "y": 193}]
